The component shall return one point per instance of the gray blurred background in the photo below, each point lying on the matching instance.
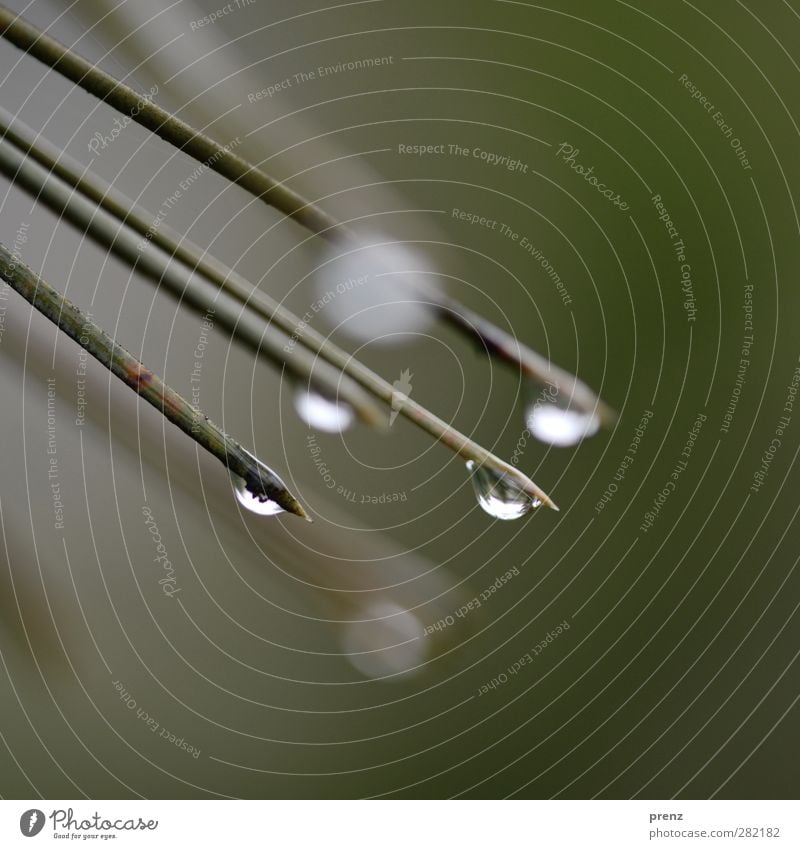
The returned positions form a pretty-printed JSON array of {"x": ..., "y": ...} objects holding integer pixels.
[{"x": 294, "y": 660}]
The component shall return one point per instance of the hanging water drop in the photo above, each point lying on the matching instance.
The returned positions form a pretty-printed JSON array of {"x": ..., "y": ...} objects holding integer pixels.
[
  {"x": 557, "y": 425},
  {"x": 322, "y": 413},
  {"x": 498, "y": 496},
  {"x": 249, "y": 500}
]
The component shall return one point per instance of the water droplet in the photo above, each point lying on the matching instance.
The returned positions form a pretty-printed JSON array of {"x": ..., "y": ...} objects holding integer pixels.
[
  {"x": 390, "y": 643},
  {"x": 370, "y": 293},
  {"x": 499, "y": 496},
  {"x": 557, "y": 425},
  {"x": 250, "y": 501},
  {"x": 323, "y": 413}
]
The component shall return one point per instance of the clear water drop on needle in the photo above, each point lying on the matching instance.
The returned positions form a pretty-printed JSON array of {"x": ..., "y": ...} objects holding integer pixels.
[
  {"x": 321, "y": 413},
  {"x": 249, "y": 500},
  {"x": 498, "y": 496},
  {"x": 552, "y": 422}
]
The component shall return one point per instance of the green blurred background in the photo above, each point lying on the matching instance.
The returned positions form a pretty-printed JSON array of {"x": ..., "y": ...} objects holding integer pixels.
[{"x": 677, "y": 674}]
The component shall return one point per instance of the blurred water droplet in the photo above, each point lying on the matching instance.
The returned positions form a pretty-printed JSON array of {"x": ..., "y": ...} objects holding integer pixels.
[
  {"x": 557, "y": 425},
  {"x": 391, "y": 643},
  {"x": 498, "y": 496},
  {"x": 322, "y": 413},
  {"x": 250, "y": 501},
  {"x": 372, "y": 292}
]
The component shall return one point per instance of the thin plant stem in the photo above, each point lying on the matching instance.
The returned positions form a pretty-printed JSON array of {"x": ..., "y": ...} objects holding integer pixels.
[
  {"x": 261, "y": 481},
  {"x": 299, "y": 332},
  {"x": 178, "y": 133},
  {"x": 499, "y": 343},
  {"x": 122, "y": 97},
  {"x": 222, "y": 160},
  {"x": 177, "y": 274}
]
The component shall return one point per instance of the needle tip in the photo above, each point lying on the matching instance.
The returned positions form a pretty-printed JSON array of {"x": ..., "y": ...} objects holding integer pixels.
[{"x": 297, "y": 510}]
